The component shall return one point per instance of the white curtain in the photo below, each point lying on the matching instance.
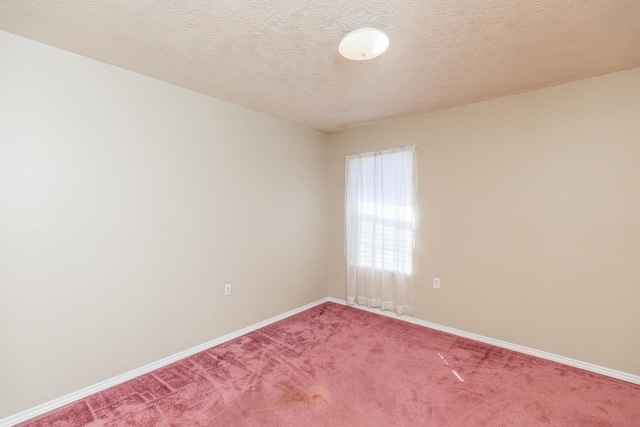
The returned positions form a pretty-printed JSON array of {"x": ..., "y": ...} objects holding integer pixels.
[{"x": 380, "y": 206}]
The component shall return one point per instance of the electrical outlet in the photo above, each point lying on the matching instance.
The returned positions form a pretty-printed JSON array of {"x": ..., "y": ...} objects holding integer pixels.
[
  {"x": 436, "y": 283},
  {"x": 227, "y": 289}
]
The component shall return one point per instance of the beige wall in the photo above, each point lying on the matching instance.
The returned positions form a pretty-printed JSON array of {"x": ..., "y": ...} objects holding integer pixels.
[
  {"x": 125, "y": 204},
  {"x": 529, "y": 214}
]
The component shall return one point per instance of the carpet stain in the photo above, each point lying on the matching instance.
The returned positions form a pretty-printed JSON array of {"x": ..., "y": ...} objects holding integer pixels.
[{"x": 318, "y": 397}]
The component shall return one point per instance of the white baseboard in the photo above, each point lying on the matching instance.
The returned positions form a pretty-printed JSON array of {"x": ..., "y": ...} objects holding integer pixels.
[
  {"x": 87, "y": 391},
  {"x": 498, "y": 343}
]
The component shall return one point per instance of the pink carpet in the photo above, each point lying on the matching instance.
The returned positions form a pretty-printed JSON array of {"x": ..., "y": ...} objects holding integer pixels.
[{"x": 338, "y": 366}]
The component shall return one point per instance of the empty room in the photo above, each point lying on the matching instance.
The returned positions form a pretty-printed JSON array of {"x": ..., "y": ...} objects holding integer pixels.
[{"x": 306, "y": 213}]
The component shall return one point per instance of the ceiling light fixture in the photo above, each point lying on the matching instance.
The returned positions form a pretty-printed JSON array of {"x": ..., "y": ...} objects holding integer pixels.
[{"x": 363, "y": 44}]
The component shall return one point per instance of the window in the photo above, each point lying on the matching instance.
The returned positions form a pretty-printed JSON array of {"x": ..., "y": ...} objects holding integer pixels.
[{"x": 380, "y": 200}]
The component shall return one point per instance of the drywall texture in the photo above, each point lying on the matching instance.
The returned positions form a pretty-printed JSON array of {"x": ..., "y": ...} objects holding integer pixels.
[
  {"x": 529, "y": 213},
  {"x": 281, "y": 56},
  {"x": 125, "y": 205}
]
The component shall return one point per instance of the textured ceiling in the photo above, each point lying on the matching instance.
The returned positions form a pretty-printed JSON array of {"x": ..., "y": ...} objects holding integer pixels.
[{"x": 281, "y": 56}]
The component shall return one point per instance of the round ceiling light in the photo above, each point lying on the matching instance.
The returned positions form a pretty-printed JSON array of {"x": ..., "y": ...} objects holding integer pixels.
[{"x": 363, "y": 43}]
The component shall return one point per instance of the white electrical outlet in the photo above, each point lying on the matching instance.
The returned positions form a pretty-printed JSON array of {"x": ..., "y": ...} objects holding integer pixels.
[
  {"x": 436, "y": 283},
  {"x": 227, "y": 289}
]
